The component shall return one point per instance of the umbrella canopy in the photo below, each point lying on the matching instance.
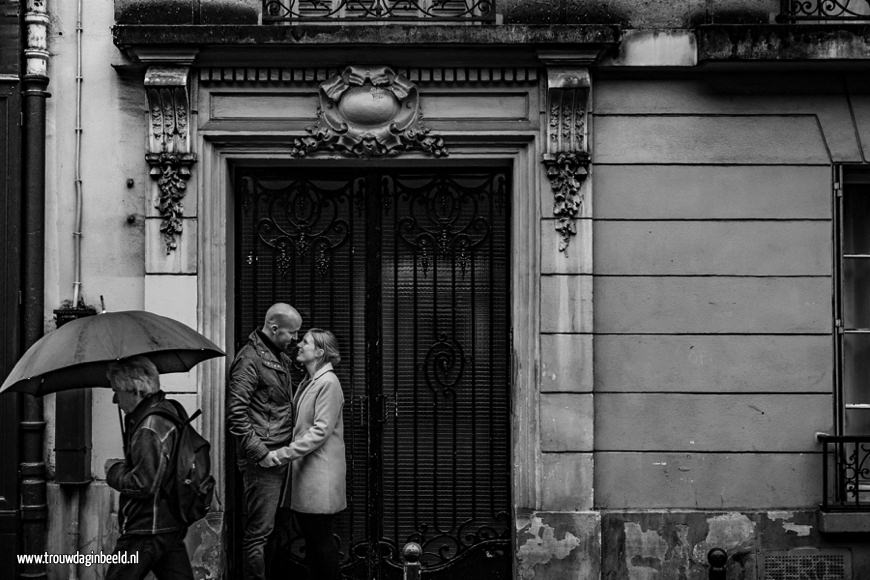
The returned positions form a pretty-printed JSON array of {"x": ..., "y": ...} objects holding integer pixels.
[{"x": 78, "y": 353}]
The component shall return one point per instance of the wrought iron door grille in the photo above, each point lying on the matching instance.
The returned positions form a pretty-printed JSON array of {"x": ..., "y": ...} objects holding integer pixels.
[
  {"x": 410, "y": 269},
  {"x": 807, "y": 564},
  {"x": 368, "y": 11},
  {"x": 845, "y": 472},
  {"x": 446, "y": 344},
  {"x": 824, "y": 10}
]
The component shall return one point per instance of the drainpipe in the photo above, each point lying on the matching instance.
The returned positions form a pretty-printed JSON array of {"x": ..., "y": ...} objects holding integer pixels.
[
  {"x": 32, "y": 467},
  {"x": 77, "y": 227}
]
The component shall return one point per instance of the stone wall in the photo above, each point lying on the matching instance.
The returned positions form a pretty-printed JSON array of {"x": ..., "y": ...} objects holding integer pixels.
[{"x": 713, "y": 353}]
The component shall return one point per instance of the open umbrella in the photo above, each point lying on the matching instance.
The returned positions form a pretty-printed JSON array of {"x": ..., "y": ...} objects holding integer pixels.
[{"x": 78, "y": 353}]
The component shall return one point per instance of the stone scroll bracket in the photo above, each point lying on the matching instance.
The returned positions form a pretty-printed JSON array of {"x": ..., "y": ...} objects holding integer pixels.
[
  {"x": 366, "y": 112},
  {"x": 169, "y": 154},
  {"x": 566, "y": 153}
]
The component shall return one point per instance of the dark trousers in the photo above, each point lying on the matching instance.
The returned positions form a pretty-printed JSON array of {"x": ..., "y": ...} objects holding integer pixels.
[
  {"x": 263, "y": 487},
  {"x": 163, "y": 554},
  {"x": 321, "y": 549}
]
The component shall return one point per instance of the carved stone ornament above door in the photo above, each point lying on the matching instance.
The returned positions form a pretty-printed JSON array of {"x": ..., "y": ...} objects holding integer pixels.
[{"x": 368, "y": 111}]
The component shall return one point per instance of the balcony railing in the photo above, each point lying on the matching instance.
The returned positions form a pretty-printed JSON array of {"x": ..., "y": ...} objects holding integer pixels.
[
  {"x": 821, "y": 11},
  {"x": 845, "y": 472},
  {"x": 382, "y": 11}
]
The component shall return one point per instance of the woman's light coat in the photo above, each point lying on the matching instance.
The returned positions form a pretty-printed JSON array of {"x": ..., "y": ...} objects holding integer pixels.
[{"x": 317, "y": 451}]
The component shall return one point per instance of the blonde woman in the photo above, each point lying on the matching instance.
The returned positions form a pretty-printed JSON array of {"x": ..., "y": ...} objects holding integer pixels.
[{"x": 317, "y": 452}]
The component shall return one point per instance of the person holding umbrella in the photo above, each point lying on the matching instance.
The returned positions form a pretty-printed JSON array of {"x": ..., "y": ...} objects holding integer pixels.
[
  {"x": 125, "y": 351},
  {"x": 260, "y": 417},
  {"x": 148, "y": 524}
]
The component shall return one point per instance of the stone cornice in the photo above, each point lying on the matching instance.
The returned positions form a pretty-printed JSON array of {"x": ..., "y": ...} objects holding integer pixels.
[
  {"x": 129, "y": 36},
  {"x": 220, "y": 45},
  {"x": 828, "y": 43}
]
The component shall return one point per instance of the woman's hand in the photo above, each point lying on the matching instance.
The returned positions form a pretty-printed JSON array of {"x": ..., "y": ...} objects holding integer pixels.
[{"x": 270, "y": 460}]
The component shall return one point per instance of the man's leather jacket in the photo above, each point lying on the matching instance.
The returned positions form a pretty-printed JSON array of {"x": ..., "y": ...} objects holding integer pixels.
[
  {"x": 259, "y": 398},
  {"x": 145, "y": 507}
]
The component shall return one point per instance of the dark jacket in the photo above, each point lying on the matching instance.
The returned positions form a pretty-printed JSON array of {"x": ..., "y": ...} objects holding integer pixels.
[
  {"x": 259, "y": 400},
  {"x": 145, "y": 508}
]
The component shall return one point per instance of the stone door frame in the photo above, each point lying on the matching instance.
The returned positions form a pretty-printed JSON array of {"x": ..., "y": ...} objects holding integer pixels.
[{"x": 215, "y": 277}]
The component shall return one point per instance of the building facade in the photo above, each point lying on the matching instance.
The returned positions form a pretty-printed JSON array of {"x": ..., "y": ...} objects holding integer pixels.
[{"x": 597, "y": 269}]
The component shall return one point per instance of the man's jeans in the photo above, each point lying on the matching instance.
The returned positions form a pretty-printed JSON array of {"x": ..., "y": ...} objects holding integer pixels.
[
  {"x": 263, "y": 487},
  {"x": 163, "y": 554}
]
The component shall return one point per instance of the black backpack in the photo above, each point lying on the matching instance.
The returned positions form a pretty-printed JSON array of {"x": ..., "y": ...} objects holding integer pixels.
[{"x": 190, "y": 482}]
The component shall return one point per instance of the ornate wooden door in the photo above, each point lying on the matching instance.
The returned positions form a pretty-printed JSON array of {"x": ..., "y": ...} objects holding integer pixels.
[{"x": 409, "y": 268}]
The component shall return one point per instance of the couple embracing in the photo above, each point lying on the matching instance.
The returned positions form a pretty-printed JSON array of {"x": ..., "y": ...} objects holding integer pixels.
[{"x": 281, "y": 431}]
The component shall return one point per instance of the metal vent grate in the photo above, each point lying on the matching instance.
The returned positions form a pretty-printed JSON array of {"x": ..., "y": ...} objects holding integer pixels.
[{"x": 808, "y": 564}]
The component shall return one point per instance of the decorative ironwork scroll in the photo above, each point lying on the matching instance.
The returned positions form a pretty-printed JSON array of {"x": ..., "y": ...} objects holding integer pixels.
[
  {"x": 301, "y": 223},
  {"x": 442, "y": 546},
  {"x": 444, "y": 221},
  {"x": 444, "y": 365},
  {"x": 379, "y": 10},
  {"x": 846, "y": 471},
  {"x": 368, "y": 112},
  {"x": 567, "y": 152},
  {"x": 855, "y": 473},
  {"x": 169, "y": 155},
  {"x": 820, "y": 10}
]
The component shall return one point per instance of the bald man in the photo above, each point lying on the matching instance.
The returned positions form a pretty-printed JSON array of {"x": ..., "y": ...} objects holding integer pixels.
[{"x": 260, "y": 417}]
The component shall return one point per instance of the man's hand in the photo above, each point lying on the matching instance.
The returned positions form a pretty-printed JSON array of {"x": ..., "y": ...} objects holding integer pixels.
[
  {"x": 111, "y": 463},
  {"x": 270, "y": 460}
]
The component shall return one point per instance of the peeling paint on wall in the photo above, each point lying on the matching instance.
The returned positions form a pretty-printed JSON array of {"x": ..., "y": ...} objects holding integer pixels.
[
  {"x": 203, "y": 543},
  {"x": 657, "y": 554},
  {"x": 644, "y": 552},
  {"x": 542, "y": 547},
  {"x": 730, "y": 532},
  {"x": 788, "y": 525},
  {"x": 799, "y": 529}
]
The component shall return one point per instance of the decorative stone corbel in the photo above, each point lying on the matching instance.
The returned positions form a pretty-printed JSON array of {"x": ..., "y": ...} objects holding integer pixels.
[
  {"x": 169, "y": 153},
  {"x": 566, "y": 156},
  {"x": 368, "y": 111}
]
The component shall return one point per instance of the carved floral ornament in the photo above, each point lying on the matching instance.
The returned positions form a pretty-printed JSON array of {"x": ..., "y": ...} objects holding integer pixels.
[
  {"x": 368, "y": 112},
  {"x": 169, "y": 155},
  {"x": 567, "y": 155},
  {"x": 567, "y": 172}
]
